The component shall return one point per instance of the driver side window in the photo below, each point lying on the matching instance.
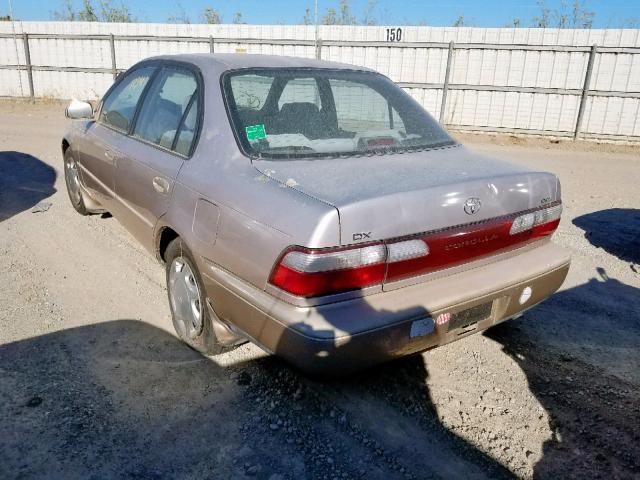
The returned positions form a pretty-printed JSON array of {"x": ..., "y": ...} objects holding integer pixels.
[{"x": 119, "y": 107}]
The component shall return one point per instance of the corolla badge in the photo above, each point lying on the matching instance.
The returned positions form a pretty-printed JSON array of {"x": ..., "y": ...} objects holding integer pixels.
[{"x": 472, "y": 205}]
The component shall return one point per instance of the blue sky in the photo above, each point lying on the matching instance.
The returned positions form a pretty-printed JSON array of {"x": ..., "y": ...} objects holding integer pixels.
[{"x": 486, "y": 13}]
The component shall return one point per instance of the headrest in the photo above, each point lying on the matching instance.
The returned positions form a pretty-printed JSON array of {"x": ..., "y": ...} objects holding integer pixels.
[{"x": 300, "y": 109}]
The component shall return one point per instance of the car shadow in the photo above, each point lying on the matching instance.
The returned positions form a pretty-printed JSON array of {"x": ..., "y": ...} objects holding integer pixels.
[
  {"x": 127, "y": 399},
  {"x": 120, "y": 399},
  {"x": 616, "y": 230},
  {"x": 24, "y": 182},
  {"x": 579, "y": 352},
  {"x": 386, "y": 408},
  {"x": 390, "y": 405}
]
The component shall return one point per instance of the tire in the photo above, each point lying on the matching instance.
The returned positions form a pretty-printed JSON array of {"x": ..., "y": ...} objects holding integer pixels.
[
  {"x": 181, "y": 293},
  {"x": 72, "y": 180}
]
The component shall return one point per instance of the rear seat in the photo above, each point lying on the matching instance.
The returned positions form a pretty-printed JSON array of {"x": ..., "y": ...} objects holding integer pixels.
[{"x": 301, "y": 117}]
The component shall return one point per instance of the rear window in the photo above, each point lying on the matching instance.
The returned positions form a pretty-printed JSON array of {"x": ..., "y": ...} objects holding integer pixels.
[{"x": 295, "y": 113}]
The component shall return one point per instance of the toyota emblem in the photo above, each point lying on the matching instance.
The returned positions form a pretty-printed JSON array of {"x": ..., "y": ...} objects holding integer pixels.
[{"x": 472, "y": 205}]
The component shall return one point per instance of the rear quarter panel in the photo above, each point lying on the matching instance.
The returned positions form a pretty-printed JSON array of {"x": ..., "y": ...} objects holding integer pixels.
[{"x": 248, "y": 222}]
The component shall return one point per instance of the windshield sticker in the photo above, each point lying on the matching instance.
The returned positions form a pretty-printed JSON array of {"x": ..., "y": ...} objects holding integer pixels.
[{"x": 255, "y": 132}]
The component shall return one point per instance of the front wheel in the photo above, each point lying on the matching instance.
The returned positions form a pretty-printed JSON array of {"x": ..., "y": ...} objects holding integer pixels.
[
  {"x": 72, "y": 179},
  {"x": 191, "y": 317}
]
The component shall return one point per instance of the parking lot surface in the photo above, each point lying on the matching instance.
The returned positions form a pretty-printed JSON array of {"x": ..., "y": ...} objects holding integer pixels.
[{"x": 94, "y": 384}]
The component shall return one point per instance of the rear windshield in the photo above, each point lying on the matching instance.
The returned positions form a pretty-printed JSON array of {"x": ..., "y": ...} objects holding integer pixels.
[{"x": 295, "y": 113}]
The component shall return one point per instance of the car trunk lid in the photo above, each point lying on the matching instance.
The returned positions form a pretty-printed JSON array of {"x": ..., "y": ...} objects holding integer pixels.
[{"x": 380, "y": 197}]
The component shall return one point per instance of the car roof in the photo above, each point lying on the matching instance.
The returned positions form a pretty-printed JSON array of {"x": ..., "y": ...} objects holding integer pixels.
[{"x": 232, "y": 61}]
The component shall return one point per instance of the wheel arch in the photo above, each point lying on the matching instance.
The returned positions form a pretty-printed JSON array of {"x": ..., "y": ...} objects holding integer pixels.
[
  {"x": 164, "y": 236},
  {"x": 65, "y": 146}
]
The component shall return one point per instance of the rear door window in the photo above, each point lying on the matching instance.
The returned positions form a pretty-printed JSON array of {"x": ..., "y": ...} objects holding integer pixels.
[
  {"x": 187, "y": 132},
  {"x": 171, "y": 101},
  {"x": 119, "y": 107}
]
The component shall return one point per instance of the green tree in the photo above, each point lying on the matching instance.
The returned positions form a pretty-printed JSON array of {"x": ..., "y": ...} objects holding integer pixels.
[
  {"x": 543, "y": 20},
  {"x": 211, "y": 16},
  {"x": 346, "y": 18},
  {"x": 514, "y": 23},
  {"x": 5, "y": 18},
  {"x": 580, "y": 17},
  {"x": 105, "y": 11},
  {"x": 307, "y": 19},
  {"x": 368, "y": 17},
  {"x": 564, "y": 17},
  {"x": 331, "y": 18},
  {"x": 109, "y": 12},
  {"x": 180, "y": 16},
  {"x": 87, "y": 13},
  {"x": 237, "y": 18},
  {"x": 66, "y": 12},
  {"x": 561, "y": 16},
  {"x": 459, "y": 22}
]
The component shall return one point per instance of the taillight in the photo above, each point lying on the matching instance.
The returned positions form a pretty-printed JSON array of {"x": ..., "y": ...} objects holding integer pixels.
[
  {"x": 310, "y": 273},
  {"x": 406, "y": 250},
  {"x": 540, "y": 222},
  {"x": 315, "y": 272},
  {"x": 454, "y": 246},
  {"x": 458, "y": 245}
]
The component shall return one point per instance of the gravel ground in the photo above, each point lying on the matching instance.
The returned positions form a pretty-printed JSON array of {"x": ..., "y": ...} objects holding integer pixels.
[{"x": 93, "y": 383}]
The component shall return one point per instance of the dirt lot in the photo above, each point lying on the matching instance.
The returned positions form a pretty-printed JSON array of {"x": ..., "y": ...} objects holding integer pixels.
[{"x": 94, "y": 384}]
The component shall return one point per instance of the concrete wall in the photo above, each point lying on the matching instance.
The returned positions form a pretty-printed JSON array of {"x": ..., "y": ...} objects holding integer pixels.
[{"x": 604, "y": 115}]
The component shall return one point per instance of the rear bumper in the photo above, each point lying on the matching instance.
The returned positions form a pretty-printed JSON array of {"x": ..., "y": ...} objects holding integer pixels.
[{"x": 353, "y": 334}]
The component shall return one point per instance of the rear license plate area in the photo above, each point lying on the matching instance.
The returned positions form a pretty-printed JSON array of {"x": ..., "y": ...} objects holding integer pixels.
[{"x": 470, "y": 316}]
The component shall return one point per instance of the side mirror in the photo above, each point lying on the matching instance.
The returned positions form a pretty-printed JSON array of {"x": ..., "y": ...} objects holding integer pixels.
[{"x": 78, "y": 110}]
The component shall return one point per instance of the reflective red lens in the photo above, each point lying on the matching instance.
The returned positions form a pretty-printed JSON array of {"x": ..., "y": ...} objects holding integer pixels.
[
  {"x": 460, "y": 245},
  {"x": 452, "y": 247},
  {"x": 306, "y": 284},
  {"x": 545, "y": 229},
  {"x": 312, "y": 273}
]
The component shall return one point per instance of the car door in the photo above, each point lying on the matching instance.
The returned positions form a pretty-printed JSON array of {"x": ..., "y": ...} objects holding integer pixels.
[
  {"x": 98, "y": 148},
  {"x": 161, "y": 140}
]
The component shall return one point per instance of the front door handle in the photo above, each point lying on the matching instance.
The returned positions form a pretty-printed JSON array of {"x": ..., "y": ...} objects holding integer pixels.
[{"x": 160, "y": 185}]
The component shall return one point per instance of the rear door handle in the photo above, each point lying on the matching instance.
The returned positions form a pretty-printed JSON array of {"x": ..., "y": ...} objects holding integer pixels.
[{"x": 160, "y": 185}]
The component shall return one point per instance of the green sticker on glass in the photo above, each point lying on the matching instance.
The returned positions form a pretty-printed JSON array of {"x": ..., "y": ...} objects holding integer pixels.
[{"x": 255, "y": 132}]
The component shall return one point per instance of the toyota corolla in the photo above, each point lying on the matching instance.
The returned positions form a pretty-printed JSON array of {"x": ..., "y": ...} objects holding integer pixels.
[{"x": 313, "y": 208}]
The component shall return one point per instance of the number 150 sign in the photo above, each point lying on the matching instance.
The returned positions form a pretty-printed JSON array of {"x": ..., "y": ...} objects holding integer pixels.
[{"x": 394, "y": 34}]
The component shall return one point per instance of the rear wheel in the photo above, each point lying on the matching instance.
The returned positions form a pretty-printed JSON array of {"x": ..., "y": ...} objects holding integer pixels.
[
  {"x": 72, "y": 179},
  {"x": 191, "y": 317}
]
